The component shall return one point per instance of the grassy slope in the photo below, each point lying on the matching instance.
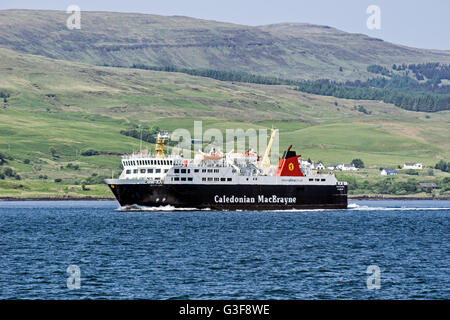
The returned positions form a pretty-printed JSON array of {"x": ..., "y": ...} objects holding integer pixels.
[
  {"x": 296, "y": 51},
  {"x": 88, "y": 106}
]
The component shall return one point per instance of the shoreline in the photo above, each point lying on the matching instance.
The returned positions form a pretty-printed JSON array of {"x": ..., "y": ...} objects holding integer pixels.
[
  {"x": 388, "y": 197},
  {"x": 57, "y": 199},
  {"x": 350, "y": 197}
]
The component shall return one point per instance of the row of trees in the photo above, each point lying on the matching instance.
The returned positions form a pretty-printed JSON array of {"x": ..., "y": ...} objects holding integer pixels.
[
  {"x": 9, "y": 172},
  {"x": 237, "y": 76},
  {"x": 403, "y": 82},
  {"x": 403, "y": 98},
  {"x": 443, "y": 166},
  {"x": 374, "y": 68},
  {"x": 400, "y": 90},
  {"x": 433, "y": 70},
  {"x": 145, "y": 133},
  {"x": 391, "y": 185}
]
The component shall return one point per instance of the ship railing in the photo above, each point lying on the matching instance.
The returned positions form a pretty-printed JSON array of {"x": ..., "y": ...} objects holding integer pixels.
[
  {"x": 148, "y": 181},
  {"x": 135, "y": 156}
]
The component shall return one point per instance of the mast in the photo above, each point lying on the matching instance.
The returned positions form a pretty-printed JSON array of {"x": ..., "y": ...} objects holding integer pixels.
[{"x": 160, "y": 140}]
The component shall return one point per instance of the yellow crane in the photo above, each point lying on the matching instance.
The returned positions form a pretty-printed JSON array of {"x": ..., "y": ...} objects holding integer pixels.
[
  {"x": 266, "y": 159},
  {"x": 160, "y": 140}
]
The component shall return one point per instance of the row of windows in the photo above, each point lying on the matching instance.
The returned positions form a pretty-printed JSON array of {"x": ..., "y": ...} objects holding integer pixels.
[
  {"x": 203, "y": 179},
  {"x": 311, "y": 179},
  {"x": 146, "y": 171},
  {"x": 183, "y": 170},
  {"x": 182, "y": 179},
  {"x": 196, "y": 170},
  {"x": 148, "y": 162},
  {"x": 216, "y": 179},
  {"x": 210, "y": 170}
]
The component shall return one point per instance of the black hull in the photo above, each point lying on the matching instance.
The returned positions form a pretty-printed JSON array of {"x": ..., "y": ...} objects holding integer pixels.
[{"x": 232, "y": 197}]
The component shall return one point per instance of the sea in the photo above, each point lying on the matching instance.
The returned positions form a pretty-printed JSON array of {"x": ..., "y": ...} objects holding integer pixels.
[{"x": 98, "y": 250}]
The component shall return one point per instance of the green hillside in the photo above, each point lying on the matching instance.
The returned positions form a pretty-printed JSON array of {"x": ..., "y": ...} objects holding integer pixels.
[
  {"x": 290, "y": 51},
  {"x": 72, "y": 107}
]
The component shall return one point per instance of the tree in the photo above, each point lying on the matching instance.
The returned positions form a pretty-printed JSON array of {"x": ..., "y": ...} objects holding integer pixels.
[
  {"x": 358, "y": 163},
  {"x": 443, "y": 166},
  {"x": 90, "y": 152},
  {"x": 3, "y": 159},
  {"x": 5, "y": 95},
  {"x": 9, "y": 172},
  {"x": 53, "y": 152}
]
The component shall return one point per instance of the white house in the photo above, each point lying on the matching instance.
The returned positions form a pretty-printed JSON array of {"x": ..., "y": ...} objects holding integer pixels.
[
  {"x": 388, "y": 172},
  {"x": 346, "y": 167},
  {"x": 415, "y": 166},
  {"x": 318, "y": 166}
]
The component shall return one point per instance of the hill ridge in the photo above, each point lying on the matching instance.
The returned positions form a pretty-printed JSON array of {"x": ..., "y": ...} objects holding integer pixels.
[{"x": 286, "y": 50}]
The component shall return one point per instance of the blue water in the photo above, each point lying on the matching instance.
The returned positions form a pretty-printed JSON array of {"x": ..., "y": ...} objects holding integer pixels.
[{"x": 224, "y": 255}]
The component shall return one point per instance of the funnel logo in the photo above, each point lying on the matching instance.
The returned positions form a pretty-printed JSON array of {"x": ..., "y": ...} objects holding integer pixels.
[{"x": 291, "y": 166}]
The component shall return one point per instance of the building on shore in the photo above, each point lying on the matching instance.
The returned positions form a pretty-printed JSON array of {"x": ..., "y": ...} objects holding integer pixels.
[
  {"x": 388, "y": 172},
  {"x": 317, "y": 166},
  {"x": 346, "y": 167},
  {"x": 413, "y": 165}
]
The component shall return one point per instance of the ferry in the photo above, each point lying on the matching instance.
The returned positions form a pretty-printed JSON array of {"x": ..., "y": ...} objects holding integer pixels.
[{"x": 224, "y": 181}]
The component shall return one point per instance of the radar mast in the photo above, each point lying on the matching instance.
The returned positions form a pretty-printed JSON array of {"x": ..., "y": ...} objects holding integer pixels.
[{"x": 160, "y": 140}]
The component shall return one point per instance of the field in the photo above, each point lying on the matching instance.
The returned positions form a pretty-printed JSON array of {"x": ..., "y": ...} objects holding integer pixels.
[
  {"x": 58, "y": 109},
  {"x": 368, "y": 182}
]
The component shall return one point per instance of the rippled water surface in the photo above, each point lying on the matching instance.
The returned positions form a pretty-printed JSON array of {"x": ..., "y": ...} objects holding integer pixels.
[{"x": 224, "y": 255}]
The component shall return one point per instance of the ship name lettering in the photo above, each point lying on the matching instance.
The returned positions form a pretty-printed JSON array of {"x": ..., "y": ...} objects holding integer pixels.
[
  {"x": 275, "y": 199},
  {"x": 233, "y": 199},
  {"x": 261, "y": 199}
]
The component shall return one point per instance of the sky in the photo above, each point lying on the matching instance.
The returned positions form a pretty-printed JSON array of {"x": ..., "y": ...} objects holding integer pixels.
[{"x": 415, "y": 23}]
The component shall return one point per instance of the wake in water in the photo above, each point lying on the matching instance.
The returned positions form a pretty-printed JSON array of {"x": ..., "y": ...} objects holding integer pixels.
[
  {"x": 172, "y": 208},
  {"x": 136, "y": 207},
  {"x": 357, "y": 207},
  {"x": 351, "y": 207},
  {"x": 302, "y": 210}
]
